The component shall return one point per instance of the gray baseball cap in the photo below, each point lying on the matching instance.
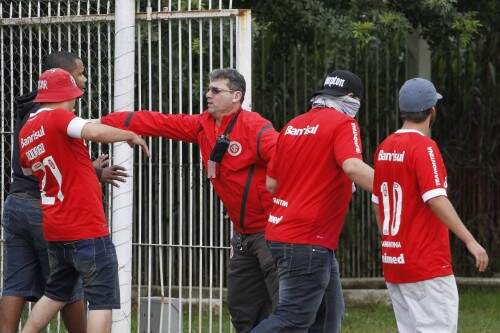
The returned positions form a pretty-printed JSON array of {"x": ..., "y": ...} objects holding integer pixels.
[{"x": 417, "y": 95}]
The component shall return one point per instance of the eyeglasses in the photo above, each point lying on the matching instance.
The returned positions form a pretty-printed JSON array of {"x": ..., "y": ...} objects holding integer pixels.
[{"x": 216, "y": 91}]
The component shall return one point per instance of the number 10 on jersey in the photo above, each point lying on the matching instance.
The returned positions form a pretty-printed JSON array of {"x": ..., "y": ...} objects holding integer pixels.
[{"x": 391, "y": 221}]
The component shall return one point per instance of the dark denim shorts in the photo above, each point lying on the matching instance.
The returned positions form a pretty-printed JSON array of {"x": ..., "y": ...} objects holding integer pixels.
[
  {"x": 26, "y": 263},
  {"x": 94, "y": 260}
]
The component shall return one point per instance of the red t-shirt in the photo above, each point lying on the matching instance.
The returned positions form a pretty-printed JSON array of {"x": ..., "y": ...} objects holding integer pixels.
[
  {"x": 52, "y": 150},
  {"x": 409, "y": 171},
  {"x": 313, "y": 191}
]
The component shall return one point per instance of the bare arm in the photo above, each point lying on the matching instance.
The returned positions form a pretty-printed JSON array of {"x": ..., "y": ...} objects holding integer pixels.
[
  {"x": 271, "y": 184},
  {"x": 443, "y": 208},
  {"x": 377, "y": 217},
  {"x": 359, "y": 172},
  {"x": 106, "y": 134}
]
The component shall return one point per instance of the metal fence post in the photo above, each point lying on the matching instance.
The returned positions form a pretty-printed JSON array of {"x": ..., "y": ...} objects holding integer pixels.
[
  {"x": 122, "y": 216},
  {"x": 244, "y": 52}
]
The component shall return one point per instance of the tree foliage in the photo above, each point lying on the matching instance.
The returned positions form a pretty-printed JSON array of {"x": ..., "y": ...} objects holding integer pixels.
[{"x": 298, "y": 41}]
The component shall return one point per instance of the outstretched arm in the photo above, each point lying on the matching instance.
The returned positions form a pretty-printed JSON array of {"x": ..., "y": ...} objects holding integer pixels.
[
  {"x": 150, "y": 123},
  {"x": 443, "y": 208},
  {"x": 107, "y": 134}
]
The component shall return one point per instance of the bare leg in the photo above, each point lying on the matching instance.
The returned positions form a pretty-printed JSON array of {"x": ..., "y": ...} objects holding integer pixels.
[
  {"x": 11, "y": 308},
  {"x": 99, "y": 321},
  {"x": 43, "y": 311},
  {"x": 73, "y": 315}
]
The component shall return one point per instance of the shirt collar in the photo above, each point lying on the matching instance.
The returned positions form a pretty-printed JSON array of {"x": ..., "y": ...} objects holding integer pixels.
[{"x": 409, "y": 131}]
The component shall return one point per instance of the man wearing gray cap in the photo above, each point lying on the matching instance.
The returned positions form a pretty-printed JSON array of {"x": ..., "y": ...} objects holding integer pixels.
[{"x": 414, "y": 214}]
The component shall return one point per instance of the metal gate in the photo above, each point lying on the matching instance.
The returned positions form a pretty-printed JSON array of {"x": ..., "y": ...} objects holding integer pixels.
[{"x": 180, "y": 236}]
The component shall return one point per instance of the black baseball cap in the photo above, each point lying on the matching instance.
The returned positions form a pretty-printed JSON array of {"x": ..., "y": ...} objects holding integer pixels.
[{"x": 340, "y": 83}]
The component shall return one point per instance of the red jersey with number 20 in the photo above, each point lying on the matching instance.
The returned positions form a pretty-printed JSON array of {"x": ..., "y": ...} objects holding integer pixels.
[
  {"x": 409, "y": 171},
  {"x": 52, "y": 150}
]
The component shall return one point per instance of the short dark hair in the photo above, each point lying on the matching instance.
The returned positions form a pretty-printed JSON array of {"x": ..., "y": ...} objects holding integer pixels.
[
  {"x": 236, "y": 80},
  {"x": 415, "y": 117},
  {"x": 61, "y": 59}
]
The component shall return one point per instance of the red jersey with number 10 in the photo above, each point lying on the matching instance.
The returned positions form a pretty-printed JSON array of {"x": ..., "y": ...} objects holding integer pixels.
[
  {"x": 52, "y": 150},
  {"x": 409, "y": 171}
]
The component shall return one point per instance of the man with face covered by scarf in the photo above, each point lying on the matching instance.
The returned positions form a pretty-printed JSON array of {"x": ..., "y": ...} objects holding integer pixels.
[{"x": 317, "y": 159}]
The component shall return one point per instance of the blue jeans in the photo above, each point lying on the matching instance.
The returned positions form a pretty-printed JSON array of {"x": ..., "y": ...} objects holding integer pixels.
[
  {"x": 26, "y": 262},
  {"x": 94, "y": 261},
  {"x": 310, "y": 293}
]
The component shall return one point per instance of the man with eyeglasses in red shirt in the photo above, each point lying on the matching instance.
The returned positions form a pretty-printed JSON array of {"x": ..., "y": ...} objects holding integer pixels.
[{"x": 235, "y": 147}]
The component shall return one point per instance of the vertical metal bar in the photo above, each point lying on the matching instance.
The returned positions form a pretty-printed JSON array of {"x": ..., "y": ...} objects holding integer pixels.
[
  {"x": 244, "y": 53},
  {"x": 305, "y": 62},
  {"x": 110, "y": 101},
  {"x": 89, "y": 76},
  {"x": 11, "y": 30},
  {"x": 150, "y": 180},
  {"x": 231, "y": 64},
  {"x": 40, "y": 38},
  {"x": 201, "y": 187},
  {"x": 79, "y": 52},
  {"x": 123, "y": 198},
  {"x": 30, "y": 30},
  {"x": 160, "y": 168},
  {"x": 2, "y": 120},
  {"x": 181, "y": 178},
  {"x": 99, "y": 76},
  {"x": 211, "y": 259},
  {"x": 212, "y": 197},
  {"x": 59, "y": 32},
  {"x": 231, "y": 42},
  {"x": 374, "y": 244},
  {"x": 294, "y": 79},
  {"x": 69, "y": 27},
  {"x": 21, "y": 67},
  {"x": 140, "y": 188},
  {"x": 170, "y": 171},
  {"x": 221, "y": 208},
  {"x": 191, "y": 176}
]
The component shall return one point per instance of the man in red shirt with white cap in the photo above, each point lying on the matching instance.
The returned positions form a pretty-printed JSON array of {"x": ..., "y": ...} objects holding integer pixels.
[
  {"x": 414, "y": 214},
  {"x": 317, "y": 159},
  {"x": 52, "y": 149}
]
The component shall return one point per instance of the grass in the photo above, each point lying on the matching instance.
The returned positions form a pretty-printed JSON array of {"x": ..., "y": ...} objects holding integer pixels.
[
  {"x": 479, "y": 313},
  {"x": 479, "y": 310}
]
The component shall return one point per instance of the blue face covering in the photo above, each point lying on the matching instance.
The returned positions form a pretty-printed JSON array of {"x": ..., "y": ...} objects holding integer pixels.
[{"x": 345, "y": 104}]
